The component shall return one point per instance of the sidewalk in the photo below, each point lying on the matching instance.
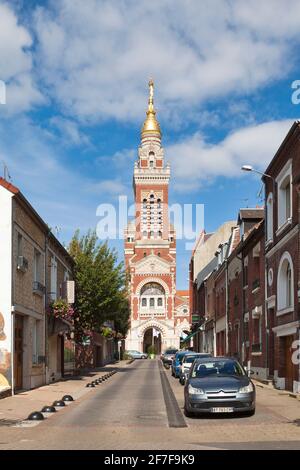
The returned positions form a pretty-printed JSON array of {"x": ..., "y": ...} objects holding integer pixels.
[
  {"x": 18, "y": 407},
  {"x": 279, "y": 392}
]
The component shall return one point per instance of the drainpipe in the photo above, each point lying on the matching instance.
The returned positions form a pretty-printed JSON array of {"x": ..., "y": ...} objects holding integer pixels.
[
  {"x": 45, "y": 307},
  {"x": 12, "y": 334},
  {"x": 242, "y": 339},
  {"x": 226, "y": 315}
]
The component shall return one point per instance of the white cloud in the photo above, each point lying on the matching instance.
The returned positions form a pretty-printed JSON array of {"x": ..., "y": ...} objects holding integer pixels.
[
  {"x": 59, "y": 192},
  {"x": 69, "y": 131},
  {"x": 96, "y": 56},
  {"x": 196, "y": 162},
  {"x": 111, "y": 186},
  {"x": 16, "y": 65}
]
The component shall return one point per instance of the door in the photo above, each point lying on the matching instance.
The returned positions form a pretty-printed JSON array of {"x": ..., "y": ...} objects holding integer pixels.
[
  {"x": 18, "y": 353},
  {"x": 289, "y": 366},
  {"x": 98, "y": 356}
]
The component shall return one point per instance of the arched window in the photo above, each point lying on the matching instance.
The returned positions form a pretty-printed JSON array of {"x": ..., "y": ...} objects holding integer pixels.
[
  {"x": 152, "y": 288},
  {"x": 285, "y": 283},
  {"x": 152, "y": 296}
]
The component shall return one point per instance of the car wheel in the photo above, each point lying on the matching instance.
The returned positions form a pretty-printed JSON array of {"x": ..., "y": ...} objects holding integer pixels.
[
  {"x": 188, "y": 413},
  {"x": 181, "y": 380}
]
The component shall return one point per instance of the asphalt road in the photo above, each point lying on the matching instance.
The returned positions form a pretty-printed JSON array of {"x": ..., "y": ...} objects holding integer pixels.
[{"x": 141, "y": 407}]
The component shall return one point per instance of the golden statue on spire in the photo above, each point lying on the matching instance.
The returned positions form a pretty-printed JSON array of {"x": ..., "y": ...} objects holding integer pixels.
[{"x": 151, "y": 125}]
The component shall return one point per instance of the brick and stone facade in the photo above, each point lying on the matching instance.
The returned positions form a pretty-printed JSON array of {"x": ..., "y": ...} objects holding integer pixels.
[
  {"x": 32, "y": 344},
  {"x": 282, "y": 260},
  {"x": 150, "y": 250}
]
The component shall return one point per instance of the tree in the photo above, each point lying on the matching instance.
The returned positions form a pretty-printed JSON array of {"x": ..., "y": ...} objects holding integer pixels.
[{"x": 101, "y": 285}]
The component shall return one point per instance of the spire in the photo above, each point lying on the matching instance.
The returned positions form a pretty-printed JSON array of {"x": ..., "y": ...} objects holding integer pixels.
[{"x": 151, "y": 125}]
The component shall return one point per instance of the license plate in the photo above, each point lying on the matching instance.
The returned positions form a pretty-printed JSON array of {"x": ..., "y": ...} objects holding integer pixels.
[{"x": 222, "y": 410}]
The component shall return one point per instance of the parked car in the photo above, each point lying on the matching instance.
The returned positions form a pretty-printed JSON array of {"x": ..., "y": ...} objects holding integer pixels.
[
  {"x": 168, "y": 356},
  {"x": 136, "y": 354},
  {"x": 176, "y": 363},
  {"x": 218, "y": 385},
  {"x": 187, "y": 362}
]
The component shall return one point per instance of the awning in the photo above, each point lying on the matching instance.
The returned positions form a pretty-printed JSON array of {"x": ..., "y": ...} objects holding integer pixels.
[{"x": 190, "y": 336}]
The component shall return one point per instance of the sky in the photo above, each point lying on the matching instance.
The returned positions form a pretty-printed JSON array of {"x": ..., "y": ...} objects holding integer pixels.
[{"x": 76, "y": 75}]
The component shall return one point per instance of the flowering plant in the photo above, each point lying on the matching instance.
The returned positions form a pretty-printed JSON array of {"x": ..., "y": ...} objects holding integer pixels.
[
  {"x": 106, "y": 331},
  {"x": 61, "y": 309}
]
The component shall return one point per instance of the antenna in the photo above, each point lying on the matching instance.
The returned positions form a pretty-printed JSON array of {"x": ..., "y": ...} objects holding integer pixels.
[
  {"x": 57, "y": 229},
  {"x": 6, "y": 174},
  {"x": 246, "y": 201},
  {"x": 259, "y": 194}
]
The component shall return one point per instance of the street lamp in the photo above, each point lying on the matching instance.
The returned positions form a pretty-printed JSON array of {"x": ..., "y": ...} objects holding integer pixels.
[{"x": 250, "y": 168}]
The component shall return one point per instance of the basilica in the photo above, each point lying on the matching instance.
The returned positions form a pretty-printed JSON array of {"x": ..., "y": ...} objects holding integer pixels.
[{"x": 159, "y": 314}]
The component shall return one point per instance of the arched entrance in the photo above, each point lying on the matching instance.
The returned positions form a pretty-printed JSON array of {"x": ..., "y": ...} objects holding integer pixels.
[{"x": 152, "y": 337}]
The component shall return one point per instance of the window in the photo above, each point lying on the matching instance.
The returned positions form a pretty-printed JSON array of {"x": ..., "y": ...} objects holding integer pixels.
[
  {"x": 53, "y": 279},
  {"x": 151, "y": 302},
  {"x": 159, "y": 302},
  {"x": 151, "y": 163},
  {"x": 288, "y": 285},
  {"x": 270, "y": 217},
  {"x": 284, "y": 181},
  {"x": 144, "y": 302},
  {"x": 20, "y": 245},
  {"x": 37, "y": 266},
  {"x": 256, "y": 339},
  {"x": 144, "y": 234},
  {"x": 285, "y": 283}
]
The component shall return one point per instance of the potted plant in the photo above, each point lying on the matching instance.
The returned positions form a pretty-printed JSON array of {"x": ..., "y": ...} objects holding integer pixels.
[{"x": 151, "y": 352}]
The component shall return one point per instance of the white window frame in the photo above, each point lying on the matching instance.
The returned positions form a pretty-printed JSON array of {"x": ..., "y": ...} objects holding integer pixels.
[
  {"x": 270, "y": 218},
  {"x": 282, "y": 307},
  {"x": 37, "y": 267},
  {"x": 53, "y": 278},
  {"x": 283, "y": 220}
]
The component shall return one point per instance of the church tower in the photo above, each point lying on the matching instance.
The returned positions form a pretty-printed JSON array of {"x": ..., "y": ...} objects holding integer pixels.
[{"x": 150, "y": 248}]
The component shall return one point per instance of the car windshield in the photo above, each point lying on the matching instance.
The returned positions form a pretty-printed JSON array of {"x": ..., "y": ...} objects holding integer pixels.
[
  {"x": 216, "y": 368},
  {"x": 180, "y": 357},
  {"x": 190, "y": 359},
  {"x": 171, "y": 351}
]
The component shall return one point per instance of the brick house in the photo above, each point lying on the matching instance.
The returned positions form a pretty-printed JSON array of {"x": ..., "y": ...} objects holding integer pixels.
[
  {"x": 281, "y": 180},
  {"x": 25, "y": 241},
  {"x": 59, "y": 285},
  {"x": 252, "y": 299}
]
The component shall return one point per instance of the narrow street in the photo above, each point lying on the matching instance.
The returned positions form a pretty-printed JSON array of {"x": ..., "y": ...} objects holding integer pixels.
[{"x": 136, "y": 409}]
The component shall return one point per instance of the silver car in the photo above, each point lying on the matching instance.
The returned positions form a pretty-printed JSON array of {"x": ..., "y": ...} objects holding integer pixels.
[
  {"x": 218, "y": 385},
  {"x": 187, "y": 363},
  {"x": 136, "y": 355}
]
